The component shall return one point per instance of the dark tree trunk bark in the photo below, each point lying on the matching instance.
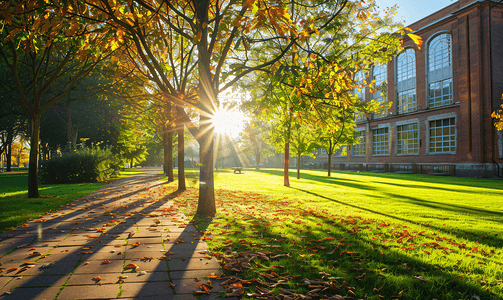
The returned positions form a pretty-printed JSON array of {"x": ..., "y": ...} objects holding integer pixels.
[
  {"x": 33, "y": 168},
  {"x": 287, "y": 163},
  {"x": 329, "y": 163},
  {"x": 165, "y": 147},
  {"x": 171, "y": 178},
  {"x": 181, "y": 159},
  {"x": 330, "y": 152},
  {"x": 8, "y": 154},
  {"x": 298, "y": 165},
  {"x": 132, "y": 161},
  {"x": 206, "y": 203}
]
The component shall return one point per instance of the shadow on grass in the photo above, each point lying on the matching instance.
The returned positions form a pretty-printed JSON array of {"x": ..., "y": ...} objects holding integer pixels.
[
  {"x": 470, "y": 235},
  {"x": 338, "y": 256},
  {"x": 448, "y": 180},
  {"x": 461, "y": 209}
]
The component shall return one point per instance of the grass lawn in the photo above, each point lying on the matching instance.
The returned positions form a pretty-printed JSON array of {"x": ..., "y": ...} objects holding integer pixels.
[
  {"x": 16, "y": 207},
  {"x": 363, "y": 235}
]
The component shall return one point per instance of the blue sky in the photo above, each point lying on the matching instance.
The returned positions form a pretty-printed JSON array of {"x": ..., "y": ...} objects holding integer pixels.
[{"x": 414, "y": 10}]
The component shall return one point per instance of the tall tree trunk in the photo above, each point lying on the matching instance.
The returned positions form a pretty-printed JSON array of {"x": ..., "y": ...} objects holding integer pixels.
[
  {"x": 170, "y": 175},
  {"x": 329, "y": 163},
  {"x": 132, "y": 161},
  {"x": 257, "y": 157},
  {"x": 33, "y": 168},
  {"x": 165, "y": 146},
  {"x": 206, "y": 204},
  {"x": 298, "y": 165},
  {"x": 181, "y": 159},
  {"x": 287, "y": 162},
  {"x": 287, "y": 157},
  {"x": 8, "y": 154},
  {"x": 69, "y": 130},
  {"x": 330, "y": 151}
]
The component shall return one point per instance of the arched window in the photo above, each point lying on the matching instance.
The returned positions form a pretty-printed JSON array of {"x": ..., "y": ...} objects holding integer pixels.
[
  {"x": 440, "y": 70},
  {"x": 380, "y": 75},
  {"x": 406, "y": 81}
]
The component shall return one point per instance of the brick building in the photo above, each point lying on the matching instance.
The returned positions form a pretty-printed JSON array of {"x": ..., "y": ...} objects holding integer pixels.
[{"x": 442, "y": 97}]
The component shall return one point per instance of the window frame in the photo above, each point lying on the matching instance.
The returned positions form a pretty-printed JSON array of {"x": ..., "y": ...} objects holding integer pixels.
[
  {"x": 427, "y": 76},
  {"x": 379, "y": 127},
  {"x": 359, "y": 145},
  {"x": 381, "y": 98},
  {"x": 428, "y": 136},
  {"x": 397, "y": 91},
  {"x": 407, "y": 123}
]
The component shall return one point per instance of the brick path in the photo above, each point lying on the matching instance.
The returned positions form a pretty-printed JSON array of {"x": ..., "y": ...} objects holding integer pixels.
[{"x": 57, "y": 256}]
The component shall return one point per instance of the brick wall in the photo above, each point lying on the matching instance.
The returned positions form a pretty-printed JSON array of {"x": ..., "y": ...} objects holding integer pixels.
[{"x": 477, "y": 70}]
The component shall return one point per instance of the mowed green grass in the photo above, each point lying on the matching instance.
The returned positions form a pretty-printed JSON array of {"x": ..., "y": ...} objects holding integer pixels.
[
  {"x": 376, "y": 235},
  {"x": 16, "y": 208}
]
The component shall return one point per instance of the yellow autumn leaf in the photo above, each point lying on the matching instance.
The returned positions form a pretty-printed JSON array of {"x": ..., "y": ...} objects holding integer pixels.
[{"x": 417, "y": 40}]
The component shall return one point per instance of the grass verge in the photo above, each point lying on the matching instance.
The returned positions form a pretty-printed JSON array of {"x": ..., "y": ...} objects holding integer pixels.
[
  {"x": 17, "y": 208},
  {"x": 362, "y": 235}
]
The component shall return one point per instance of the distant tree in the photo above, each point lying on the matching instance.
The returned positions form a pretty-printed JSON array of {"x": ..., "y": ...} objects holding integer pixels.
[
  {"x": 302, "y": 142},
  {"x": 254, "y": 135}
]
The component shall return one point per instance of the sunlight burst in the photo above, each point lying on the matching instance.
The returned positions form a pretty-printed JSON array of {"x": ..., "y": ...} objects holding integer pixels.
[{"x": 228, "y": 121}]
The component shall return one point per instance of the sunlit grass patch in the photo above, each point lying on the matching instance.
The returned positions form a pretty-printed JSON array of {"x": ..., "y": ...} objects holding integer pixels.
[{"x": 370, "y": 235}]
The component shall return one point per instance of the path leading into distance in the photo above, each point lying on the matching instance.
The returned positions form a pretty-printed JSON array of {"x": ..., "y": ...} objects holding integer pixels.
[{"x": 125, "y": 240}]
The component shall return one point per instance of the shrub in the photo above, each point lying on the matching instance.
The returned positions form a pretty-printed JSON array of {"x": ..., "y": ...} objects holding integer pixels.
[{"x": 85, "y": 165}]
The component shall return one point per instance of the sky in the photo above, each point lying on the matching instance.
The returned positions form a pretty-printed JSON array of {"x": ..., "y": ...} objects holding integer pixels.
[{"x": 414, "y": 10}]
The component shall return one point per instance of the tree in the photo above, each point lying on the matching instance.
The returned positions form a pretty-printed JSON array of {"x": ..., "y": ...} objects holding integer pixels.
[
  {"x": 254, "y": 137},
  {"x": 332, "y": 138},
  {"x": 47, "y": 57},
  {"x": 222, "y": 34},
  {"x": 303, "y": 139}
]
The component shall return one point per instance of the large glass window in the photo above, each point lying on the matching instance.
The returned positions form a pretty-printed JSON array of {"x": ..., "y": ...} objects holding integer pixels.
[
  {"x": 408, "y": 139},
  {"x": 342, "y": 151},
  {"x": 359, "y": 149},
  {"x": 380, "y": 141},
  {"x": 380, "y": 75},
  {"x": 406, "y": 81},
  {"x": 443, "y": 136},
  {"x": 440, "y": 71}
]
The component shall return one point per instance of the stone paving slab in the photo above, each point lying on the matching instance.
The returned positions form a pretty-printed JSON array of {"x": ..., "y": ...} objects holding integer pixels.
[
  {"x": 146, "y": 289},
  {"x": 105, "y": 291},
  {"x": 38, "y": 293},
  {"x": 104, "y": 226},
  {"x": 36, "y": 281},
  {"x": 154, "y": 265},
  {"x": 192, "y": 264},
  {"x": 200, "y": 274},
  {"x": 87, "y": 279},
  {"x": 97, "y": 267}
]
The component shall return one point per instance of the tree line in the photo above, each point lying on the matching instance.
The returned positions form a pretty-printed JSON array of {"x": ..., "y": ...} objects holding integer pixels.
[{"x": 168, "y": 61}]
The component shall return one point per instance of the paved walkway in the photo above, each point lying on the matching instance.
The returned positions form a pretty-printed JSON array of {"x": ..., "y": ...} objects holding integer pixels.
[{"x": 127, "y": 228}]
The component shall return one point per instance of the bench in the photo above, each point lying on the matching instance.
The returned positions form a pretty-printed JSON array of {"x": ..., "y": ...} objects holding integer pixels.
[{"x": 237, "y": 170}]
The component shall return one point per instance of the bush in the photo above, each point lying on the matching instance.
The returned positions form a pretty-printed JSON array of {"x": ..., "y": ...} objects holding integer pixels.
[{"x": 85, "y": 165}]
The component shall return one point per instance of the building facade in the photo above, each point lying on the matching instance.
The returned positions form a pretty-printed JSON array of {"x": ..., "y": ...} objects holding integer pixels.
[{"x": 441, "y": 98}]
